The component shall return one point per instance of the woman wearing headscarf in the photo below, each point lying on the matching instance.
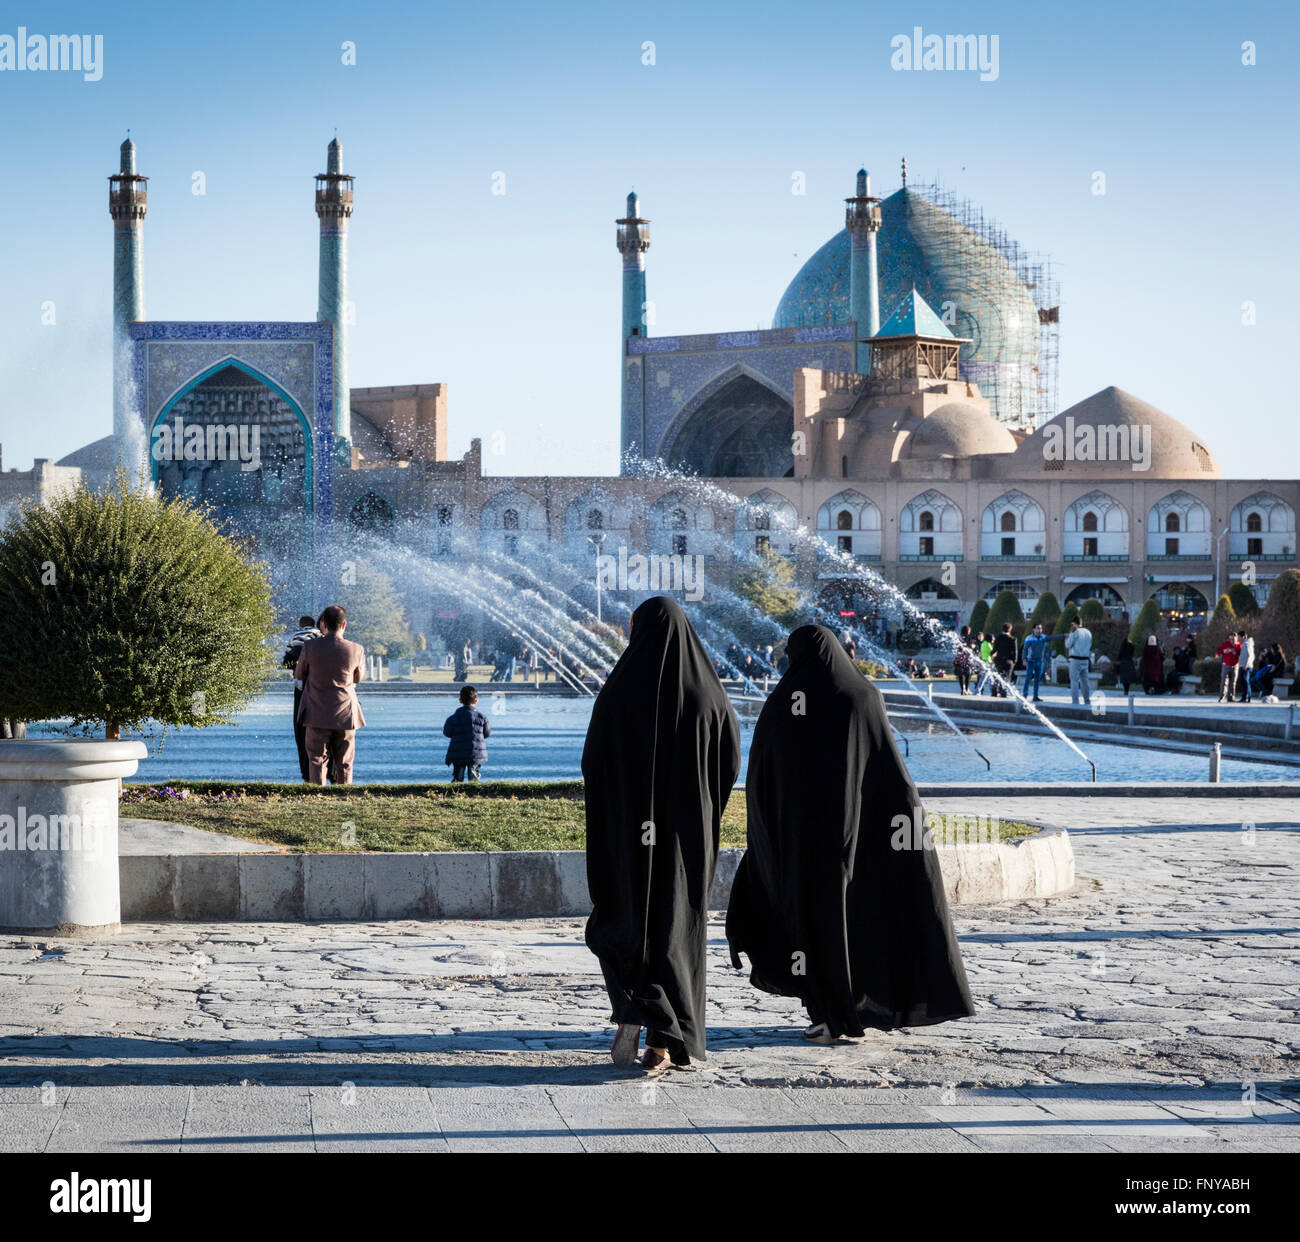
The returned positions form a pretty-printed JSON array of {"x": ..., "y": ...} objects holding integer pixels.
[
  {"x": 662, "y": 753},
  {"x": 838, "y": 900},
  {"x": 1153, "y": 666}
]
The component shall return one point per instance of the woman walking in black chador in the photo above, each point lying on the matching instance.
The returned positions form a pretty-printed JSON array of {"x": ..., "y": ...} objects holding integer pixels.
[
  {"x": 662, "y": 753},
  {"x": 837, "y": 901}
]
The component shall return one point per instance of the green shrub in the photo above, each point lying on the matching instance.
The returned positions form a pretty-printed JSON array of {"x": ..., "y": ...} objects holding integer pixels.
[
  {"x": 1209, "y": 671},
  {"x": 872, "y": 670},
  {"x": 1046, "y": 612},
  {"x": 1090, "y": 611},
  {"x": 1148, "y": 621},
  {"x": 1221, "y": 624},
  {"x": 1108, "y": 636},
  {"x": 120, "y": 607},
  {"x": 1006, "y": 607},
  {"x": 1068, "y": 614},
  {"x": 1061, "y": 629},
  {"x": 1243, "y": 600},
  {"x": 979, "y": 616}
]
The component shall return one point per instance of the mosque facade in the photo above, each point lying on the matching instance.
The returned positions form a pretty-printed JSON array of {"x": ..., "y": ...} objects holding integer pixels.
[{"x": 919, "y": 443}]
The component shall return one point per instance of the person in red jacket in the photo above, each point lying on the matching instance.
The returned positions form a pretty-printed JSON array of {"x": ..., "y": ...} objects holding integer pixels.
[{"x": 1228, "y": 652}]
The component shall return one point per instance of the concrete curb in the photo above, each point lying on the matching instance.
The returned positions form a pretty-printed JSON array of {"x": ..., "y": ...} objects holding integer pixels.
[{"x": 507, "y": 884}]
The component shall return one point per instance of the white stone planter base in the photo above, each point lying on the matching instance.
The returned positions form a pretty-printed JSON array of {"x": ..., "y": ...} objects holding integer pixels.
[{"x": 58, "y": 835}]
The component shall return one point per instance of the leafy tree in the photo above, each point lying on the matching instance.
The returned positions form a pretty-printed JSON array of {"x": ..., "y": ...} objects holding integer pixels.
[
  {"x": 1006, "y": 607},
  {"x": 769, "y": 585},
  {"x": 979, "y": 616},
  {"x": 1045, "y": 612},
  {"x": 1280, "y": 622},
  {"x": 1243, "y": 600},
  {"x": 376, "y": 615},
  {"x": 1092, "y": 610},
  {"x": 120, "y": 607}
]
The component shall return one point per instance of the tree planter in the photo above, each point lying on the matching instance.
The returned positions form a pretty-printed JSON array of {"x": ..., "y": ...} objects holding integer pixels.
[{"x": 58, "y": 834}]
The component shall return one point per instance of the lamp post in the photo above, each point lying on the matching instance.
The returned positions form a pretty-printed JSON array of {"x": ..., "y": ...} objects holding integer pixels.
[
  {"x": 1218, "y": 557},
  {"x": 596, "y": 540}
]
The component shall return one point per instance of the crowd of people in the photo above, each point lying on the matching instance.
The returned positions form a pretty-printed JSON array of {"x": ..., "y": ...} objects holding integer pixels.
[
  {"x": 1244, "y": 670},
  {"x": 327, "y": 667},
  {"x": 750, "y": 665},
  {"x": 1245, "y": 673},
  {"x": 997, "y": 656}
]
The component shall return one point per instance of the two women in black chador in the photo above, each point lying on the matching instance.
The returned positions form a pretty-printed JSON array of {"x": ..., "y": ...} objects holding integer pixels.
[{"x": 823, "y": 905}]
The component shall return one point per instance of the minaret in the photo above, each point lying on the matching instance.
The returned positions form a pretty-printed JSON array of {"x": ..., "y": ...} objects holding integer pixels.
[
  {"x": 862, "y": 219},
  {"x": 334, "y": 207},
  {"x": 127, "y": 202},
  {"x": 633, "y": 242}
]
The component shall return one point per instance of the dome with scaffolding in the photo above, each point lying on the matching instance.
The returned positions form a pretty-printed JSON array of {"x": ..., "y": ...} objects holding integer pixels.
[{"x": 982, "y": 285}]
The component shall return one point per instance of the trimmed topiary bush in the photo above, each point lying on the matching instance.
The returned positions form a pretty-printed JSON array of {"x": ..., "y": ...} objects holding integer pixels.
[
  {"x": 1243, "y": 600},
  {"x": 1148, "y": 621},
  {"x": 1107, "y": 637},
  {"x": 1006, "y": 607},
  {"x": 1221, "y": 624},
  {"x": 119, "y": 607},
  {"x": 1091, "y": 610},
  {"x": 1046, "y": 612},
  {"x": 1062, "y": 628},
  {"x": 979, "y": 616}
]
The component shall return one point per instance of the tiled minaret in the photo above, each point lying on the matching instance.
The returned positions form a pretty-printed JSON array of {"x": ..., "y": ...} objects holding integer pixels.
[
  {"x": 127, "y": 203},
  {"x": 862, "y": 219},
  {"x": 633, "y": 240},
  {"x": 334, "y": 208}
]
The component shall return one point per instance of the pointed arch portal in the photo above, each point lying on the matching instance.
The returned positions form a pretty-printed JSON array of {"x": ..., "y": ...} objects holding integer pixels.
[
  {"x": 232, "y": 394},
  {"x": 233, "y": 439},
  {"x": 736, "y": 427}
]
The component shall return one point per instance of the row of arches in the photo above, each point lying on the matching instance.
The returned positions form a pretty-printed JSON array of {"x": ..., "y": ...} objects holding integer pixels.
[
  {"x": 1013, "y": 527},
  {"x": 1174, "y": 599}
]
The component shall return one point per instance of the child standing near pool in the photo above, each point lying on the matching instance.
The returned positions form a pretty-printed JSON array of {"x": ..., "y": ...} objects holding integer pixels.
[{"x": 468, "y": 730}]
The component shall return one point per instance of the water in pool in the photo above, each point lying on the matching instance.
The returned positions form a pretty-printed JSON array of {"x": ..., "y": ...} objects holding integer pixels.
[{"x": 541, "y": 739}]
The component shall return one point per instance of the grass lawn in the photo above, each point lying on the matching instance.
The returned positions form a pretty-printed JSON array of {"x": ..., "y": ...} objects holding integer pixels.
[{"x": 493, "y": 815}]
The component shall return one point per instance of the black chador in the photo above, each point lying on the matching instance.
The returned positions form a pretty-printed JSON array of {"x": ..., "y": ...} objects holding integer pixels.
[
  {"x": 662, "y": 753},
  {"x": 824, "y": 905}
]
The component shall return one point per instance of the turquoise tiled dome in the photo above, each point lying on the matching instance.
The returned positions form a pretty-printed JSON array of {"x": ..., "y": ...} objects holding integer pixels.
[{"x": 921, "y": 245}]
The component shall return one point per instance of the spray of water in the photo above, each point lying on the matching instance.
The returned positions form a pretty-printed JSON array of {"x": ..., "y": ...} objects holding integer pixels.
[
  {"x": 522, "y": 602},
  {"x": 709, "y": 493}
]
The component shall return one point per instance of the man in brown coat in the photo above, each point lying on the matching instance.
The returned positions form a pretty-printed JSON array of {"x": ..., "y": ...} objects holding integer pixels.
[{"x": 329, "y": 669}]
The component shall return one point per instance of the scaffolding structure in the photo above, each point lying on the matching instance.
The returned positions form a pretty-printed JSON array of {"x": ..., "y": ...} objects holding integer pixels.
[{"x": 1035, "y": 272}]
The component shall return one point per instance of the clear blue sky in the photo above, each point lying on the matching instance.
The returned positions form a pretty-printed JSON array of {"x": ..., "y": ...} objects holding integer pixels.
[{"x": 514, "y": 300}]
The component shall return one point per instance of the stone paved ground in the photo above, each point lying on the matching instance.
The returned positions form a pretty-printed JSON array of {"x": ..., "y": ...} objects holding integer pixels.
[{"x": 1155, "y": 1008}]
